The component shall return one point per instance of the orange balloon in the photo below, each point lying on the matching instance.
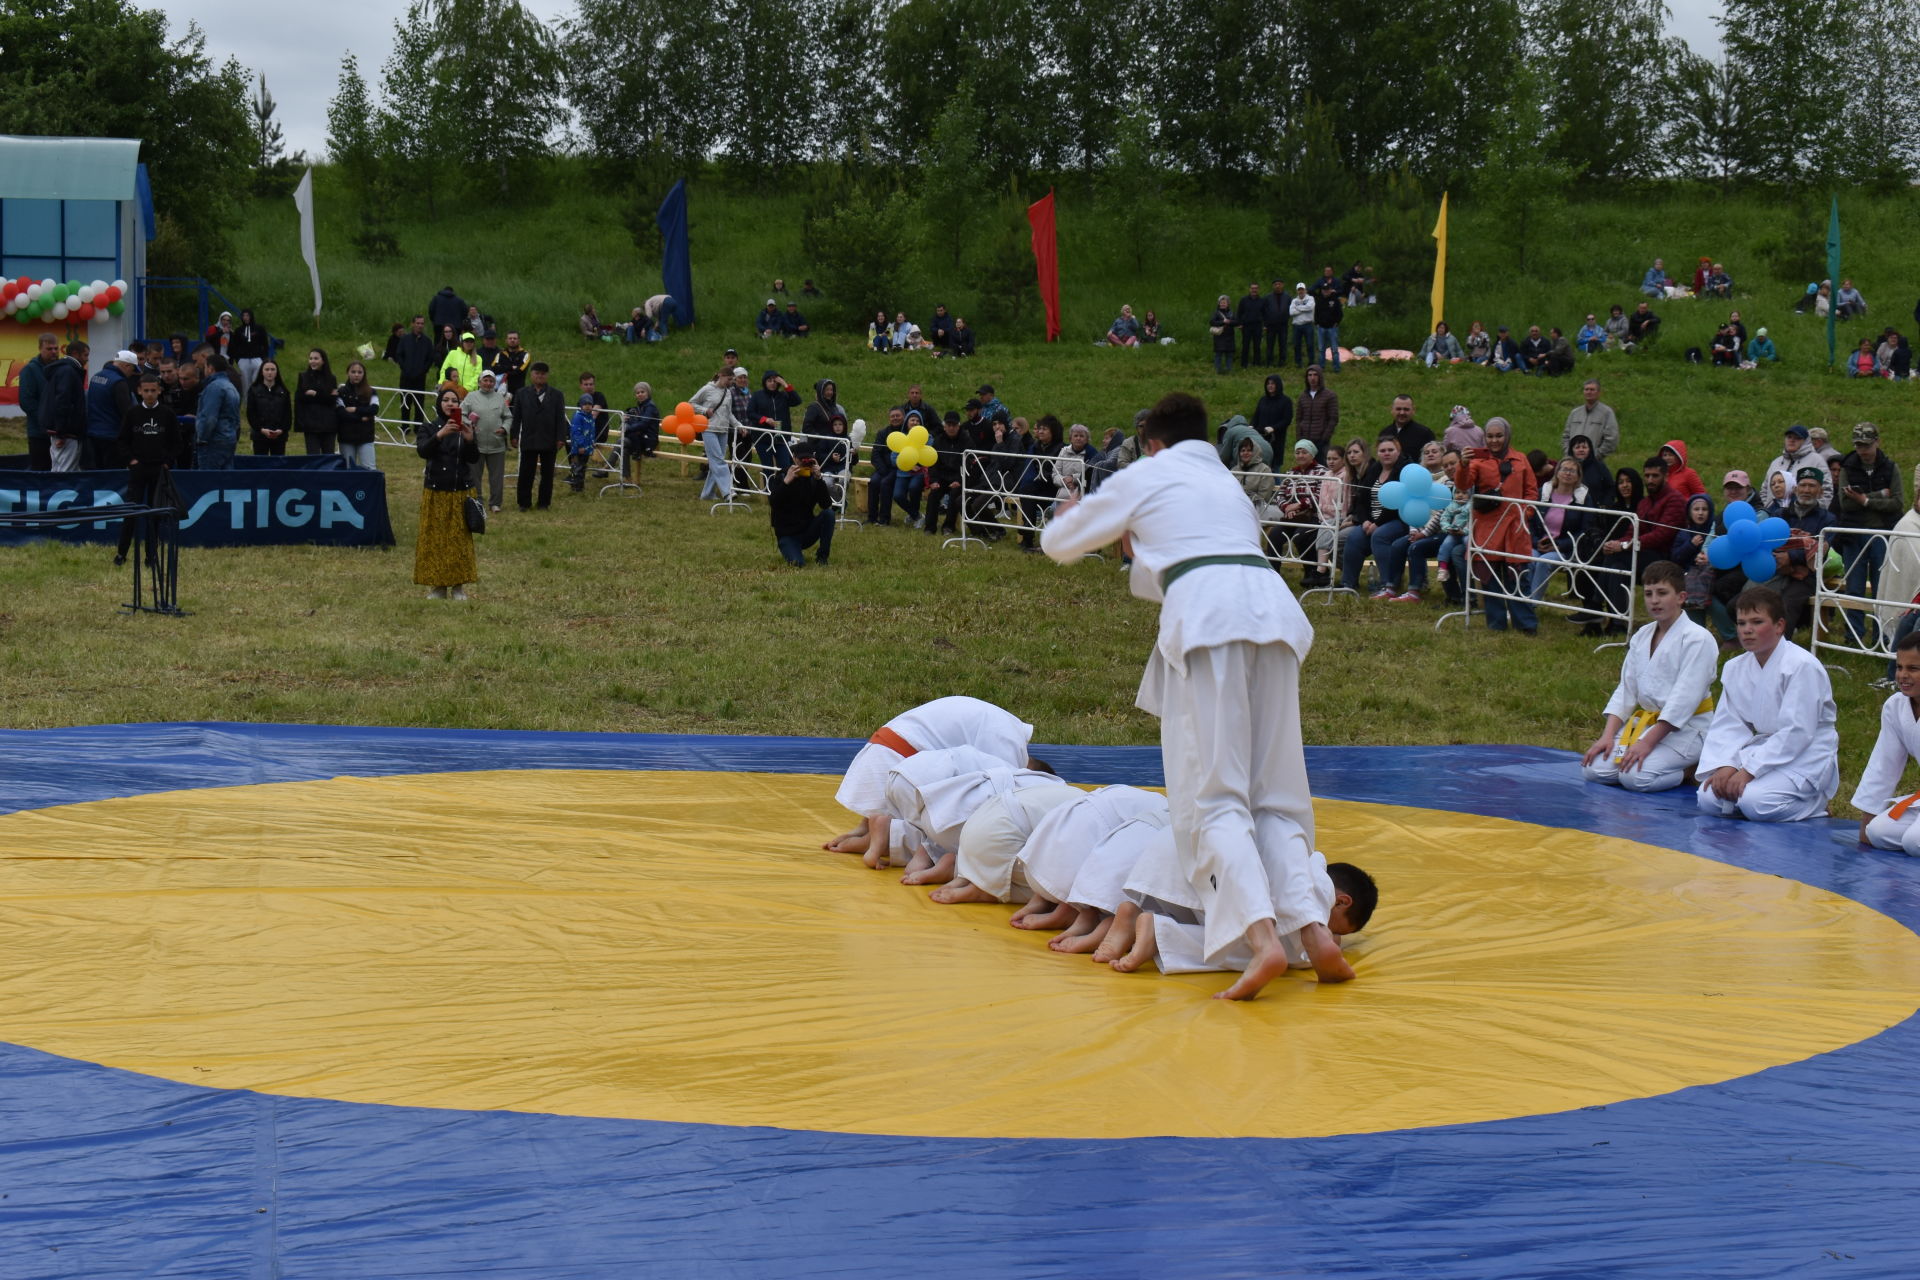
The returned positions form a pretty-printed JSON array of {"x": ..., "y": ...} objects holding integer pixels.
[
  {"x": 683, "y": 410},
  {"x": 685, "y": 432},
  {"x": 699, "y": 421}
]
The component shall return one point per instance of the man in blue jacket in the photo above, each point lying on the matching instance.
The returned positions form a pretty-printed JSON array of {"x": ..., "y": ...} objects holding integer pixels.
[
  {"x": 217, "y": 425},
  {"x": 768, "y": 323},
  {"x": 109, "y": 396},
  {"x": 33, "y": 394}
]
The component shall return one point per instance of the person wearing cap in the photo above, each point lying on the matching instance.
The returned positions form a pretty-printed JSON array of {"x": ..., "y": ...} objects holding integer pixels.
[
  {"x": 1592, "y": 337},
  {"x": 640, "y": 432},
  {"x": 1309, "y": 500},
  {"x": 1797, "y": 564},
  {"x": 1760, "y": 348},
  {"x": 1795, "y": 453},
  {"x": 1870, "y": 498},
  {"x": 768, "y": 323},
  {"x": 485, "y": 409},
  {"x": 800, "y": 507},
  {"x": 109, "y": 397},
  {"x": 990, "y": 407},
  {"x": 1300, "y": 319},
  {"x": 461, "y": 368},
  {"x": 583, "y": 430},
  {"x": 1506, "y": 352},
  {"x": 793, "y": 324}
]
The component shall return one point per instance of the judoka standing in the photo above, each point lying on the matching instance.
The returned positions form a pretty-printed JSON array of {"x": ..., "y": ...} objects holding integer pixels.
[
  {"x": 1224, "y": 679},
  {"x": 1772, "y": 753},
  {"x": 1894, "y": 824},
  {"x": 1659, "y": 712}
]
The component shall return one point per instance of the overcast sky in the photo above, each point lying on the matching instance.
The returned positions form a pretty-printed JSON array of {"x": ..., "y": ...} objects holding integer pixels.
[{"x": 299, "y": 47}]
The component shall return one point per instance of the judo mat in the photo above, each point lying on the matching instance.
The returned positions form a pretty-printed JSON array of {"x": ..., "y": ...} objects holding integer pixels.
[{"x": 284, "y": 1001}]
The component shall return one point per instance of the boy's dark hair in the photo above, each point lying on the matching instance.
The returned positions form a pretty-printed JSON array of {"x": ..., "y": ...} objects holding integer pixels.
[
  {"x": 218, "y": 363},
  {"x": 1359, "y": 886},
  {"x": 138, "y": 346},
  {"x": 1908, "y": 643},
  {"x": 953, "y": 416},
  {"x": 586, "y": 375},
  {"x": 77, "y": 348},
  {"x": 1655, "y": 461},
  {"x": 1038, "y": 765},
  {"x": 1761, "y": 600},
  {"x": 1178, "y": 416},
  {"x": 154, "y": 378},
  {"x": 538, "y": 366},
  {"x": 1664, "y": 571}
]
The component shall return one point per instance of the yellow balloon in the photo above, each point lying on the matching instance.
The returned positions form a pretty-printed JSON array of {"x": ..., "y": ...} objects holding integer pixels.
[
  {"x": 928, "y": 455},
  {"x": 917, "y": 435},
  {"x": 896, "y": 440}
]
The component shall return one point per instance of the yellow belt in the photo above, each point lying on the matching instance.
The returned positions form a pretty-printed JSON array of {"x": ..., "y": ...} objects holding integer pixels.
[{"x": 1642, "y": 720}]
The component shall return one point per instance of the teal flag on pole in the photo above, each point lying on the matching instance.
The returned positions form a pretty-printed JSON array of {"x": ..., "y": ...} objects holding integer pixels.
[{"x": 1833, "y": 274}]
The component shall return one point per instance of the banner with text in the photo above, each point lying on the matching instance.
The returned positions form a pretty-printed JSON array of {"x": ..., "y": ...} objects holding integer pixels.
[{"x": 224, "y": 508}]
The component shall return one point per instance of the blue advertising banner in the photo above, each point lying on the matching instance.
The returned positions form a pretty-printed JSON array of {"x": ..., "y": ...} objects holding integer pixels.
[{"x": 253, "y": 508}]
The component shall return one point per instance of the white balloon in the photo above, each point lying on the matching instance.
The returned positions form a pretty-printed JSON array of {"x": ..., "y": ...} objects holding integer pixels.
[
  {"x": 86, "y": 293},
  {"x": 98, "y": 286},
  {"x": 59, "y": 311},
  {"x": 121, "y": 285},
  {"x": 33, "y": 293}
]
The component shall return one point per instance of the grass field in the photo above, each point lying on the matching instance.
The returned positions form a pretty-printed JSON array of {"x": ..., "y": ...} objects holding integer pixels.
[{"x": 649, "y": 615}]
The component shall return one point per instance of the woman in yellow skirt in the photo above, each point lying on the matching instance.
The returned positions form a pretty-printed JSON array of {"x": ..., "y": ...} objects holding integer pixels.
[{"x": 443, "y": 558}]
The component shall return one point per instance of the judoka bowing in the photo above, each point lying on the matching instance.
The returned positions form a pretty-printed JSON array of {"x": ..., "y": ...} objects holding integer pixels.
[
  {"x": 1659, "y": 712},
  {"x": 1772, "y": 753},
  {"x": 931, "y": 726},
  {"x": 933, "y": 794},
  {"x": 1224, "y": 679},
  {"x": 1893, "y": 824}
]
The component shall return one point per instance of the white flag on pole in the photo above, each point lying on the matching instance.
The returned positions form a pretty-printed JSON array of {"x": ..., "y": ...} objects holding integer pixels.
[{"x": 303, "y": 200}]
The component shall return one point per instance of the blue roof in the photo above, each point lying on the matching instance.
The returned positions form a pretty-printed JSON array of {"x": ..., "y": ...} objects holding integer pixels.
[{"x": 33, "y": 168}]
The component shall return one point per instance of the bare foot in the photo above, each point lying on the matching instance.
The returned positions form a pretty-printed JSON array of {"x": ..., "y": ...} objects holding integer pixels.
[
  {"x": 1031, "y": 907},
  {"x": 1057, "y": 916},
  {"x": 1143, "y": 950},
  {"x": 961, "y": 891},
  {"x": 854, "y": 841},
  {"x": 1084, "y": 919},
  {"x": 876, "y": 859},
  {"x": 1076, "y": 944},
  {"x": 933, "y": 873},
  {"x": 1119, "y": 939},
  {"x": 1268, "y": 963},
  {"x": 1329, "y": 965}
]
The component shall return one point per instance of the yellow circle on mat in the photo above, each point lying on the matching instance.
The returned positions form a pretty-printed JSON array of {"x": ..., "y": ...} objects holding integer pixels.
[{"x": 676, "y": 946}]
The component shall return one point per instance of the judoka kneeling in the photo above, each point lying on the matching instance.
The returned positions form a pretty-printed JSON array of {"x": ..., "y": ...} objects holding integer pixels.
[
  {"x": 1772, "y": 752},
  {"x": 1896, "y": 822},
  {"x": 1659, "y": 712},
  {"x": 935, "y": 793},
  {"x": 931, "y": 726}
]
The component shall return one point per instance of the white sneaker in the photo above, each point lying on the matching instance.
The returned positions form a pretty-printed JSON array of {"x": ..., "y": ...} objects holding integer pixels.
[
  {"x": 459, "y": 593},
  {"x": 436, "y": 593}
]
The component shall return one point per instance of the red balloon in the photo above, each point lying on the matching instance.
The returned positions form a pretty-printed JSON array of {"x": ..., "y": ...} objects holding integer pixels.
[
  {"x": 86, "y": 312},
  {"x": 112, "y": 295}
]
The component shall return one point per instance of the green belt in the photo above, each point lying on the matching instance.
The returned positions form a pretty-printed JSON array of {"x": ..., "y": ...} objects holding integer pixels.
[{"x": 1174, "y": 573}]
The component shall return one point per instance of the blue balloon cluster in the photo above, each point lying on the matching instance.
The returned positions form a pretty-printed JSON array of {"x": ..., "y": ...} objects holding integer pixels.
[
  {"x": 1416, "y": 495},
  {"x": 1749, "y": 542}
]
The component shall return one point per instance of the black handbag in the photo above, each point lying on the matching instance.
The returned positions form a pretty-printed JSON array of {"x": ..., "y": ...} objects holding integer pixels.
[{"x": 476, "y": 515}]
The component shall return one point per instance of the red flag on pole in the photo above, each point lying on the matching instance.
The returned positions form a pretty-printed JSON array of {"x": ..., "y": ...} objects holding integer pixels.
[{"x": 1046, "y": 260}]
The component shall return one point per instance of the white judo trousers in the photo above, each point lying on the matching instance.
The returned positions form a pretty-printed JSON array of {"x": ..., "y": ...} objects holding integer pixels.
[
  {"x": 1770, "y": 797},
  {"x": 1879, "y": 790},
  {"x": 1236, "y": 772},
  {"x": 1180, "y": 947},
  {"x": 1901, "y": 834},
  {"x": 991, "y": 841}
]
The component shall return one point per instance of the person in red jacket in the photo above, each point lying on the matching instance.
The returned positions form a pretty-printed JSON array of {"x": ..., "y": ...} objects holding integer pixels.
[
  {"x": 1663, "y": 512},
  {"x": 1681, "y": 478},
  {"x": 1500, "y": 533}
]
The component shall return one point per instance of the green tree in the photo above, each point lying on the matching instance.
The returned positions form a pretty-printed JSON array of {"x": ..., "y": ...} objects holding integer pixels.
[
  {"x": 846, "y": 94},
  {"x": 1788, "y": 55},
  {"x": 410, "y": 133},
  {"x": 1879, "y": 145},
  {"x": 930, "y": 48},
  {"x": 645, "y": 79},
  {"x": 952, "y": 182},
  {"x": 491, "y": 72},
  {"x": 855, "y": 248},
  {"x": 102, "y": 68},
  {"x": 1519, "y": 179},
  {"x": 1605, "y": 66},
  {"x": 1309, "y": 191},
  {"x": 1218, "y": 77},
  {"x": 1707, "y": 133},
  {"x": 1093, "y": 49},
  {"x": 768, "y": 126},
  {"x": 1133, "y": 187},
  {"x": 1003, "y": 264},
  {"x": 361, "y": 161}
]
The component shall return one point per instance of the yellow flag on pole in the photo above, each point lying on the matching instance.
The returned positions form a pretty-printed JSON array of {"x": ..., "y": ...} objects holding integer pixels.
[{"x": 1439, "y": 266}]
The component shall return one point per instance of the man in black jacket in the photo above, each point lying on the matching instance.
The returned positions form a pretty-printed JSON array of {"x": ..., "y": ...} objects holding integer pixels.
[
  {"x": 770, "y": 419},
  {"x": 943, "y": 477},
  {"x": 413, "y": 352},
  {"x": 1249, "y": 319},
  {"x": 1534, "y": 350},
  {"x": 538, "y": 425},
  {"x": 801, "y": 507},
  {"x": 447, "y": 308},
  {"x": 917, "y": 403},
  {"x": 64, "y": 407},
  {"x": 1273, "y": 318},
  {"x": 1328, "y": 312},
  {"x": 149, "y": 441}
]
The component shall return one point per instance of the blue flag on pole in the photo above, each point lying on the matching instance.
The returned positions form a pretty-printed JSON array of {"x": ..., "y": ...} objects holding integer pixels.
[
  {"x": 1833, "y": 274},
  {"x": 676, "y": 260}
]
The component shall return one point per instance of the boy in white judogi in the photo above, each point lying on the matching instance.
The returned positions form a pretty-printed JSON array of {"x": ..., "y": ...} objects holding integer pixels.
[
  {"x": 1224, "y": 679},
  {"x": 1772, "y": 753},
  {"x": 1177, "y": 945},
  {"x": 934, "y": 793},
  {"x": 1067, "y": 839},
  {"x": 987, "y": 865},
  {"x": 1658, "y": 714},
  {"x": 1893, "y": 825},
  {"x": 931, "y": 726}
]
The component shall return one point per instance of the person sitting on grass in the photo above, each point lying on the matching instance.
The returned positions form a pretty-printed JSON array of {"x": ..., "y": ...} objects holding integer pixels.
[
  {"x": 1760, "y": 348},
  {"x": 1772, "y": 753},
  {"x": 1848, "y": 301},
  {"x": 1592, "y": 336},
  {"x": 1642, "y": 325},
  {"x": 590, "y": 326},
  {"x": 1725, "y": 350},
  {"x": 793, "y": 324},
  {"x": 1125, "y": 330},
  {"x": 879, "y": 333},
  {"x": 1617, "y": 327},
  {"x": 800, "y": 506},
  {"x": 1891, "y": 821},
  {"x": 1478, "y": 344},
  {"x": 1717, "y": 284},
  {"x": 1506, "y": 353},
  {"x": 1534, "y": 349},
  {"x": 1654, "y": 283},
  {"x": 1658, "y": 715},
  {"x": 1440, "y": 347},
  {"x": 961, "y": 345},
  {"x": 1861, "y": 363},
  {"x": 768, "y": 324}
]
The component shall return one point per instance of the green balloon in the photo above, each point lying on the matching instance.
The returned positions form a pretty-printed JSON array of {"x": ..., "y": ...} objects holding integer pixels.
[
  {"x": 73, "y": 287},
  {"x": 116, "y": 307}
]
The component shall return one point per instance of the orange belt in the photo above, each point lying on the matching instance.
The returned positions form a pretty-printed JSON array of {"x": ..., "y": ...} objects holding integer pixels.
[
  {"x": 1903, "y": 806},
  {"x": 888, "y": 738}
]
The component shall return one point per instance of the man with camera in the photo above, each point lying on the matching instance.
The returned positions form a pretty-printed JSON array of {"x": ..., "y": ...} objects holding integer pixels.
[{"x": 801, "y": 507}]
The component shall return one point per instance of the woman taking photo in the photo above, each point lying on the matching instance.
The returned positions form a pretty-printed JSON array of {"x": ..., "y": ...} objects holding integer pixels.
[
  {"x": 269, "y": 411},
  {"x": 443, "y": 557},
  {"x": 313, "y": 403},
  {"x": 355, "y": 408}
]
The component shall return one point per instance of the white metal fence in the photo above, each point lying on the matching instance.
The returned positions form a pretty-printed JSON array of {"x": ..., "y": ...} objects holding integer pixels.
[
  {"x": 1604, "y": 583},
  {"x": 1311, "y": 537},
  {"x": 1847, "y": 621}
]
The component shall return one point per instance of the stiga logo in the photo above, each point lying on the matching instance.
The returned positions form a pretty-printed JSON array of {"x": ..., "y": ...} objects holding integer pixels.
[{"x": 227, "y": 508}]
